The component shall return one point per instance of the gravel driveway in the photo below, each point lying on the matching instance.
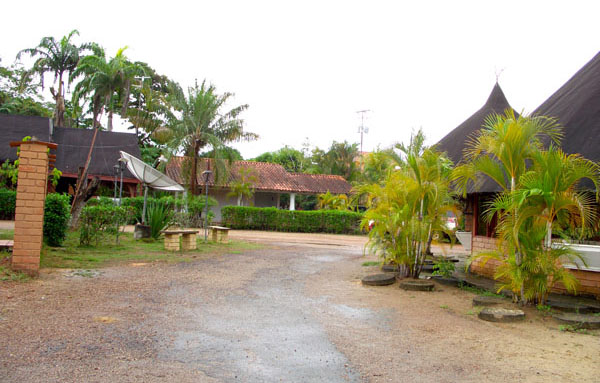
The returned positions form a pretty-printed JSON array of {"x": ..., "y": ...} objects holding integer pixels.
[{"x": 294, "y": 311}]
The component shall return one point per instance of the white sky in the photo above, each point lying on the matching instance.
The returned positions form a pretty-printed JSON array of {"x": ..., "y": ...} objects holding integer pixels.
[{"x": 306, "y": 67}]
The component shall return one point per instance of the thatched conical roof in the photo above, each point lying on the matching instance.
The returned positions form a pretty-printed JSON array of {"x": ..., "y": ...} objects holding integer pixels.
[
  {"x": 576, "y": 105},
  {"x": 454, "y": 143}
]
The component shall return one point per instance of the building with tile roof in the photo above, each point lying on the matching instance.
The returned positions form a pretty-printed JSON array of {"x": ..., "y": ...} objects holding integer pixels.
[{"x": 272, "y": 180}]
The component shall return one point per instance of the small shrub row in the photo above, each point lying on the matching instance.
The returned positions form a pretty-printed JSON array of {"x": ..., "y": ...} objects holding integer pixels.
[
  {"x": 270, "y": 218},
  {"x": 100, "y": 221},
  {"x": 195, "y": 207}
]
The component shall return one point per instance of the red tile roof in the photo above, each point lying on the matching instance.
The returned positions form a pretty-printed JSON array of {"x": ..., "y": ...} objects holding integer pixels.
[
  {"x": 322, "y": 183},
  {"x": 271, "y": 177}
]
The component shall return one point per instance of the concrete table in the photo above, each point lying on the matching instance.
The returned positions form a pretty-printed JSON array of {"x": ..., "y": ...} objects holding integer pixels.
[
  {"x": 188, "y": 240},
  {"x": 220, "y": 233}
]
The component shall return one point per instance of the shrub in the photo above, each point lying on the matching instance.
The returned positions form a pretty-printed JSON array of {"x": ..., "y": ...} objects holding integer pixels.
[
  {"x": 158, "y": 217},
  {"x": 99, "y": 221},
  {"x": 8, "y": 202},
  {"x": 195, "y": 207},
  {"x": 270, "y": 218},
  {"x": 56, "y": 218}
]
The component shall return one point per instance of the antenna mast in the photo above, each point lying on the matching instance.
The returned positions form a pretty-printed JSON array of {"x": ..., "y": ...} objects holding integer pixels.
[{"x": 362, "y": 129}]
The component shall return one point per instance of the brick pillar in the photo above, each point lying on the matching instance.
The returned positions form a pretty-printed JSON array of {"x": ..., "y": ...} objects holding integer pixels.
[{"x": 29, "y": 213}]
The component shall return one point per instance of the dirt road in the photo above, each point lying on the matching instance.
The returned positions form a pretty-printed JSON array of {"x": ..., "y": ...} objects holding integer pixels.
[{"x": 294, "y": 311}]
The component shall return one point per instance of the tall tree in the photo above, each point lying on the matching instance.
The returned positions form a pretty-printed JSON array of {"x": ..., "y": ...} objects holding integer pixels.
[
  {"x": 203, "y": 123},
  {"x": 291, "y": 159},
  {"x": 106, "y": 81},
  {"x": 61, "y": 58}
]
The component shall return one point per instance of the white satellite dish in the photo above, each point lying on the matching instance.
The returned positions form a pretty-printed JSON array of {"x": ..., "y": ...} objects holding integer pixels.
[{"x": 149, "y": 177}]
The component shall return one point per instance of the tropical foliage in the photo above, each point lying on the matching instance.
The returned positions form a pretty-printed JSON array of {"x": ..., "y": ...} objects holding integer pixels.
[
  {"x": 328, "y": 201},
  {"x": 60, "y": 57},
  {"x": 203, "y": 123},
  {"x": 244, "y": 186},
  {"x": 540, "y": 195},
  {"x": 409, "y": 206}
]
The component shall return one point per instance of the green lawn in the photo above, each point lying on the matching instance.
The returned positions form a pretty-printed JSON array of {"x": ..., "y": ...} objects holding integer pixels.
[{"x": 72, "y": 255}]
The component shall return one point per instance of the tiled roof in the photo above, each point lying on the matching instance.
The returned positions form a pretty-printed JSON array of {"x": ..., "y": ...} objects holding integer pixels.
[
  {"x": 322, "y": 183},
  {"x": 271, "y": 177}
]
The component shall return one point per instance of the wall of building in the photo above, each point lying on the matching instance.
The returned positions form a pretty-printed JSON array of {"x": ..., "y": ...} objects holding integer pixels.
[
  {"x": 589, "y": 280},
  {"x": 265, "y": 199}
]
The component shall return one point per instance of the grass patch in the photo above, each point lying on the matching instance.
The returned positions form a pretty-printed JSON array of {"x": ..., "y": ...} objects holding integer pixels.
[
  {"x": 475, "y": 310},
  {"x": 6, "y": 274},
  {"x": 7, "y": 234},
  {"x": 371, "y": 263},
  {"x": 72, "y": 255}
]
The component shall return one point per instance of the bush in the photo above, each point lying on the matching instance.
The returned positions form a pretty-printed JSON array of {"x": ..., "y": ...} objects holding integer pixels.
[
  {"x": 8, "y": 202},
  {"x": 56, "y": 218},
  {"x": 270, "y": 218},
  {"x": 98, "y": 221},
  {"x": 195, "y": 207},
  {"x": 158, "y": 217}
]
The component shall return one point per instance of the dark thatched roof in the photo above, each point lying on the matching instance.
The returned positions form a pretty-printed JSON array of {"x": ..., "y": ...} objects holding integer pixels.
[
  {"x": 15, "y": 128},
  {"x": 73, "y": 144},
  {"x": 576, "y": 105},
  {"x": 454, "y": 143}
]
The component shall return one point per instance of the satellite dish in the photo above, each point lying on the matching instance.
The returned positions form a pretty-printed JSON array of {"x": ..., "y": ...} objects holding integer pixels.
[{"x": 149, "y": 177}]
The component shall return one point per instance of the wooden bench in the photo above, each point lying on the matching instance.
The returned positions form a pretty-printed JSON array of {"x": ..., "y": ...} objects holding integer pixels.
[
  {"x": 6, "y": 244},
  {"x": 220, "y": 233},
  {"x": 188, "y": 239}
]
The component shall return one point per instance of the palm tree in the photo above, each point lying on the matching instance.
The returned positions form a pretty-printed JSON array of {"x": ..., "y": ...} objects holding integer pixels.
[
  {"x": 204, "y": 123},
  {"x": 61, "y": 58},
  {"x": 244, "y": 186},
  {"x": 547, "y": 199},
  {"x": 106, "y": 81},
  {"x": 409, "y": 206},
  {"x": 501, "y": 151}
]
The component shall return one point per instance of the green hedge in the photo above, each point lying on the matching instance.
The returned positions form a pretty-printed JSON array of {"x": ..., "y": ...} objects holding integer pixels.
[
  {"x": 270, "y": 218},
  {"x": 195, "y": 206},
  {"x": 8, "y": 202},
  {"x": 100, "y": 221}
]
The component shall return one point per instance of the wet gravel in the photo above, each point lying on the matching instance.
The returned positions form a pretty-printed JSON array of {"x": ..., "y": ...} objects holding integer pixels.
[{"x": 291, "y": 312}]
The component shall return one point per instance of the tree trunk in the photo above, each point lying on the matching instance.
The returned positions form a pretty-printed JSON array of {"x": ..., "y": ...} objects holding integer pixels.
[
  {"x": 86, "y": 191},
  {"x": 110, "y": 121},
  {"x": 59, "y": 110},
  {"x": 78, "y": 198},
  {"x": 239, "y": 200},
  {"x": 194, "y": 172}
]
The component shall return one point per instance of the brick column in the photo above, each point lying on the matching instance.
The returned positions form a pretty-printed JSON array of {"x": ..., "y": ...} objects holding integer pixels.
[{"x": 31, "y": 196}]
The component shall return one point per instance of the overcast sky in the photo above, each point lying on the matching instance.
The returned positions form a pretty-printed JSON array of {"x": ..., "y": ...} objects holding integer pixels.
[{"x": 306, "y": 67}]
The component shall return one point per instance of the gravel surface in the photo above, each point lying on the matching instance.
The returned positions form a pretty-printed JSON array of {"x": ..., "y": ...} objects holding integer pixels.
[{"x": 294, "y": 311}]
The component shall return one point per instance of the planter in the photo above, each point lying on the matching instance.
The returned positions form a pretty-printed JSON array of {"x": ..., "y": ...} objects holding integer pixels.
[
  {"x": 590, "y": 253},
  {"x": 464, "y": 237}
]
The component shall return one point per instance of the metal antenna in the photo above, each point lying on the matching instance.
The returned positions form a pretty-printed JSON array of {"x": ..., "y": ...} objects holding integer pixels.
[
  {"x": 498, "y": 73},
  {"x": 362, "y": 129}
]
